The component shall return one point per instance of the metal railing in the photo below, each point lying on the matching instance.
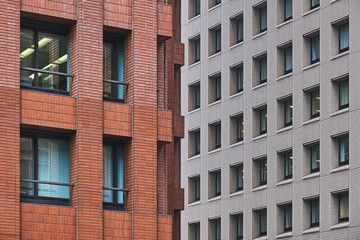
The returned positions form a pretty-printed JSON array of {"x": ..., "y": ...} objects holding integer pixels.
[{"x": 112, "y": 92}]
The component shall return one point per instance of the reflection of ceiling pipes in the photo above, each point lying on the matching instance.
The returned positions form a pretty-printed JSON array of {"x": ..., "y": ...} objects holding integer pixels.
[
  {"x": 59, "y": 61},
  {"x": 30, "y": 50}
]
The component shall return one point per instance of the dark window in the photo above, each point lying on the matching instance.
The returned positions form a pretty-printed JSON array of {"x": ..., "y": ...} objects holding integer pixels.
[
  {"x": 288, "y": 60},
  {"x": 196, "y": 231},
  {"x": 239, "y": 129},
  {"x": 288, "y": 113},
  {"x": 217, "y": 88},
  {"x": 197, "y": 142},
  {"x": 315, "y": 158},
  {"x": 314, "y": 212},
  {"x": 263, "y": 70},
  {"x": 217, "y": 129},
  {"x": 240, "y": 178},
  {"x": 239, "y": 30},
  {"x": 44, "y": 158},
  {"x": 315, "y": 49},
  {"x": 263, "y": 171},
  {"x": 113, "y": 175},
  {"x": 239, "y": 227},
  {"x": 217, "y": 176},
  {"x": 197, "y": 96},
  {"x": 344, "y": 94},
  {"x": 197, "y": 188},
  {"x": 287, "y": 217},
  {"x": 263, "y": 19},
  {"x": 113, "y": 68},
  {"x": 218, "y": 40},
  {"x": 217, "y": 229},
  {"x": 343, "y": 151},
  {"x": 344, "y": 37},
  {"x": 315, "y": 103},
  {"x": 287, "y": 10},
  {"x": 217, "y": 2},
  {"x": 314, "y": 3},
  {"x": 44, "y": 56},
  {"x": 263, "y": 223},
  {"x": 197, "y": 50},
  {"x": 344, "y": 207},
  {"x": 288, "y": 165},
  {"x": 263, "y": 120},
  {"x": 239, "y": 79},
  {"x": 197, "y": 7}
]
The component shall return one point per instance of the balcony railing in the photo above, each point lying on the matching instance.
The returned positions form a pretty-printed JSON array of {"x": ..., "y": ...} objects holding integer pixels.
[
  {"x": 114, "y": 90},
  {"x": 117, "y": 196}
]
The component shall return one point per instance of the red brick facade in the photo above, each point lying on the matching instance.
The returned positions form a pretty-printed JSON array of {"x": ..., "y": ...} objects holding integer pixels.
[{"x": 149, "y": 121}]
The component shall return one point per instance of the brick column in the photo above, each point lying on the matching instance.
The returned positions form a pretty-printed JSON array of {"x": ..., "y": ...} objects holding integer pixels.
[{"x": 10, "y": 119}]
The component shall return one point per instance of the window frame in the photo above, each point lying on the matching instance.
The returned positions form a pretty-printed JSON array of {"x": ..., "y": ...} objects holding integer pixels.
[
  {"x": 346, "y": 162},
  {"x": 312, "y": 43},
  {"x": 263, "y": 117},
  {"x": 263, "y": 14},
  {"x": 217, "y": 40},
  {"x": 346, "y": 219},
  {"x": 314, "y": 202},
  {"x": 286, "y": 71},
  {"x": 285, "y": 10},
  {"x": 239, "y": 234},
  {"x": 312, "y": 5},
  {"x": 286, "y": 109},
  {"x": 240, "y": 175},
  {"x": 312, "y": 148},
  {"x": 239, "y": 128},
  {"x": 341, "y": 50},
  {"x": 240, "y": 30},
  {"x": 340, "y": 86},
  {"x": 312, "y": 107},
  {"x": 239, "y": 79},
  {"x": 286, "y": 161},
  {"x": 287, "y": 208},
  {"x": 262, "y": 168},
  {"x": 263, "y": 64}
]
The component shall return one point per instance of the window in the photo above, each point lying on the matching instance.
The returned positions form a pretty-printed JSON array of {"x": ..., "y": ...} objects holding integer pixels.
[
  {"x": 214, "y": 40},
  {"x": 262, "y": 222},
  {"x": 314, "y": 212},
  {"x": 194, "y": 231},
  {"x": 263, "y": 120},
  {"x": 287, "y": 10},
  {"x": 217, "y": 229},
  {"x": 259, "y": 223},
  {"x": 344, "y": 94},
  {"x": 288, "y": 112},
  {"x": 239, "y": 79},
  {"x": 239, "y": 128},
  {"x": 263, "y": 19},
  {"x": 218, "y": 40},
  {"x": 214, "y": 136},
  {"x": 217, "y": 88},
  {"x": 194, "y": 189},
  {"x": 288, "y": 165},
  {"x": 344, "y": 151},
  {"x": 194, "y": 143},
  {"x": 240, "y": 177},
  {"x": 259, "y": 69},
  {"x": 194, "y": 96},
  {"x": 197, "y": 50},
  {"x": 263, "y": 171},
  {"x": 287, "y": 208},
  {"x": 343, "y": 207},
  {"x": 288, "y": 60},
  {"x": 214, "y": 184},
  {"x": 194, "y": 50},
  {"x": 197, "y": 143},
  {"x": 236, "y": 29},
  {"x": 315, "y": 158},
  {"x": 236, "y": 79},
  {"x": 197, "y": 188},
  {"x": 113, "y": 175},
  {"x": 217, "y": 183},
  {"x": 315, "y": 103},
  {"x": 113, "y": 67},
  {"x": 197, "y": 7},
  {"x": 239, "y": 30},
  {"x": 315, "y": 49},
  {"x": 194, "y": 8},
  {"x": 44, "y": 56},
  {"x": 344, "y": 37},
  {"x": 197, "y": 96},
  {"x": 239, "y": 227},
  {"x": 263, "y": 70},
  {"x": 259, "y": 172},
  {"x": 214, "y": 88},
  {"x": 217, "y": 136},
  {"x": 314, "y": 3},
  {"x": 44, "y": 168}
]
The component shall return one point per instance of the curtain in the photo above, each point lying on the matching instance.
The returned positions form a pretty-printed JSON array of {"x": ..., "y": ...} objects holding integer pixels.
[
  {"x": 288, "y": 9},
  {"x": 107, "y": 172},
  {"x": 240, "y": 30},
  {"x": 315, "y": 49},
  {"x": 344, "y": 206},
  {"x": 344, "y": 93},
  {"x": 26, "y": 165},
  {"x": 288, "y": 59},
  {"x": 263, "y": 19},
  {"x": 239, "y": 225},
  {"x": 120, "y": 173},
  {"x": 288, "y": 216},
  {"x": 344, "y": 36},
  {"x": 263, "y": 69},
  {"x": 53, "y": 166},
  {"x": 315, "y": 212}
]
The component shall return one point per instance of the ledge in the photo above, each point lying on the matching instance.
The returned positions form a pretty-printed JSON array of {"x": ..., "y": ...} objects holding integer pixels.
[
  {"x": 311, "y": 11},
  {"x": 311, "y": 230},
  {"x": 261, "y": 238},
  {"x": 236, "y": 144},
  {"x": 236, "y": 193},
  {"x": 215, "y": 150},
  {"x": 339, "y": 225},
  {"x": 311, "y": 175},
  {"x": 286, "y": 181},
  {"x": 311, "y": 121},
  {"x": 259, "y": 137},
  {"x": 214, "y": 7},
  {"x": 195, "y": 17},
  {"x": 214, "y": 55},
  {"x": 237, "y": 44},
  {"x": 284, "y": 23},
  {"x": 341, "y": 168},
  {"x": 339, "y": 55},
  {"x": 214, "y": 198},
  {"x": 214, "y": 103},
  {"x": 194, "y": 64},
  {"x": 284, "y": 76},
  {"x": 194, "y": 157},
  {"x": 194, "y": 203},
  {"x": 284, "y": 129},
  {"x": 284, "y": 235},
  {"x": 236, "y": 94},
  {"x": 259, "y": 188},
  {"x": 259, "y": 86},
  {"x": 259, "y": 35},
  {"x": 194, "y": 111},
  {"x": 339, "y": 112},
  {"x": 311, "y": 66}
]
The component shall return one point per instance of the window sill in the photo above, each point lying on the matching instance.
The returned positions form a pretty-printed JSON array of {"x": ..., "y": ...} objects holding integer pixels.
[
  {"x": 284, "y": 76},
  {"x": 194, "y": 203},
  {"x": 261, "y": 238},
  {"x": 259, "y": 35},
  {"x": 339, "y": 55},
  {"x": 339, "y": 169},
  {"x": 214, "y": 7},
  {"x": 194, "y": 157},
  {"x": 311, "y": 11},
  {"x": 237, "y": 44},
  {"x": 311, "y": 121},
  {"x": 236, "y": 144},
  {"x": 311, "y": 66},
  {"x": 214, "y": 151},
  {"x": 339, "y": 225},
  {"x": 259, "y": 188},
  {"x": 286, "y": 181},
  {"x": 339, "y": 112},
  {"x": 284, "y": 129},
  {"x": 332, "y": 1},
  {"x": 214, "y": 198},
  {"x": 284, "y": 235},
  {"x": 214, "y": 55},
  {"x": 259, "y": 137},
  {"x": 214, "y": 103},
  {"x": 311, "y": 230},
  {"x": 194, "y": 64},
  {"x": 259, "y": 86},
  {"x": 236, "y": 94},
  {"x": 284, "y": 23},
  {"x": 311, "y": 175},
  {"x": 194, "y": 17},
  {"x": 194, "y": 111},
  {"x": 237, "y": 193}
]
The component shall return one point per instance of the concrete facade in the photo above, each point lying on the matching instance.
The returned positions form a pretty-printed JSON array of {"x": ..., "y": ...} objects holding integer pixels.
[{"x": 325, "y": 130}]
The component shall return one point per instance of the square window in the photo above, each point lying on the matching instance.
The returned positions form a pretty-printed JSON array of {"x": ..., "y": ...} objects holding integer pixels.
[
  {"x": 194, "y": 231},
  {"x": 236, "y": 128},
  {"x": 214, "y": 184},
  {"x": 215, "y": 229},
  {"x": 284, "y": 11},
  {"x": 214, "y": 88},
  {"x": 194, "y": 50},
  {"x": 194, "y": 143},
  {"x": 214, "y": 40},
  {"x": 194, "y": 96},
  {"x": 214, "y": 136},
  {"x": 260, "y": 222},
  {"x": 194, "y": 189}
]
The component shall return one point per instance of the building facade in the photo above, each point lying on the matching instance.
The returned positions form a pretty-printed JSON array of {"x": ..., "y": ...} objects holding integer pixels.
[
  {"x": 90, "y": 119},
  {"x": 271, "y": 130}
]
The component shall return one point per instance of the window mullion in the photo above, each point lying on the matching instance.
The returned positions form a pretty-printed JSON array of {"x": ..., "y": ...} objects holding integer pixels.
[
  {"x": 115, "y": 172},
  {"x": 36, "y": 46},
  {"x": 36, "y": 165}
]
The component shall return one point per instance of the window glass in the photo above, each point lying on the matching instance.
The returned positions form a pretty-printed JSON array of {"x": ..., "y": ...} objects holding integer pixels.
[
  {"x": 315, "y": 3},
  {"x": 218, "y": 183},
  {"x": 263, "y": 70},
  {"x": 197, "y": 50},
  {"x": 288, "y": 9},
  {"x": 263, "y": 19},
  {"x": 263, "y": 223},
  {"x": 197, "y": 231},
  {"x": 344, "y": 207},
  {"x": 344, "y": 151},
  {"x": 239, "y": 226},
  {"x": 315, "y": 103},
  {"x": 26, "y": 165},
  {"x": 217, "y": 88},
  {"x": 240, "y": 177},
  {"x": 315, "y": 49},
  {"x": 217, "y": 135},
  {"x": 197, "y": 96},
  {"x": 288, "y": 112},
  {"x": 239, "y": 128},
  {"x": 288, "y": 60},
  {"x": 197, "y": 7},
  {"x": 344, "y": 37},
  {"x": 315, "y": 158},
  {"x": 263, "y": 121},
  {"x": 344, "y": 94},
  {"x": 218, "y": 40},
  {"x": 288, "y": 165},
  {"x": 287, "y": 217},
  {"x": 197, "y": 188},
  {"x": 239, "y": 79},
  {"x": 239, "y": 30},
  {"x": 218, "y": 229},
  {"x": 315, "y": 212},
  {"x": 197, "y": 142},
  {"x": 263, "y": 172}
]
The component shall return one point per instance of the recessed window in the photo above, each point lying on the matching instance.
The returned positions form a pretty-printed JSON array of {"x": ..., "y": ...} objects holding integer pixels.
[
  {"x": 311, "y": 103},
  {"x": 288, "y": 165},
  {"x": 314, "y": 212},
  {"x": 315, "y": 158},
  {"x": 44, "y": 168},
  {"x": 315, "y": 103},
  {"x": 260, "y": 121},
  {"x": 344, "y": 37},
  {"x": 194, "y": 143},
  {"x": 288, "y": 112},
  {"x": 259, "y": 18},
  {"x": 215, "y": 229},
  {"x": 44, "y": 56},
  {"x": 214, "y": 88},
  {"x": 343, "y": 199},
  {"x": 113, "y": 176},
  {"x": 285, "y": 61},
  {"x": 194, "y": 50},
  {"x": 194, "y": 8},
  {"x": 214, "y": 136},
  {"x": 287, "y": 10},
  {"x": 113, "y": 68},
  {"x": 214, "y": 184},
  {"x": 239, "y": 30},
  {"x": 236, "y": 29},
  {"x": 214, "y": 40},
  {"x": 287, "y": 209},
  {"x": 236, "y": 178},
  {"x": 213, "y": 3},
  {"x": 259, "y": 69},
  {"x": 311, "y": 52},
  {"x": 218, "y": 40},
  {"x": 260, "y": 223},
  {"x": 194, "y": 189},
  {"x": 263, "y": 70},
  {"x": 194, "y": 96},
  {"x": 343, "y": 150},
  {"x": 259, "y": 172},
  {"x": 288, "y": 60},
  {"x": 315, "y": 49},
  {"x": 236, "y": 227},
  {"x": 194, "y": 231},
  {"x": 263, "y": 120},
  {"x": 314, "y": 3},
  {"x": 236, "y": 79},
  {"x": 263, "y": 19},
  {"x": 343, "y": 94},
  {"x": 236, "y": 128}
]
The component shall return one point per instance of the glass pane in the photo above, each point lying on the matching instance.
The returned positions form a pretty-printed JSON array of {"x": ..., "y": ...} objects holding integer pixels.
[
  {"x": 108, "y": 172},
  {"x": 197, "y": 188},
  {"x": 315, "y": 3},
  {"x": 288, "y": 165},
  {"x": 315, "y": 103},
  {"x": 240, "y": 177},
  {"x": 344, "y": 93},
  {"x": 120, "y": 174},
  {"x": 263, "y": 172},
  {"x": 288, "y": 216},
  {"x": 288, "y": 112},
  {"x": 315, "y": 212},
  {"x": 218, "y": 40},
  {"x": 53, "y": 56},
  {"x": 197, "y": 7},
  {"x": 197, "y": 96},
  {"x": 315, "y": 157},
  {"x": 218, "y": 229},
  {"x": 239, "y": 30},
  {"x": 197, "y": 143},
  {"x": 288, "y": 60},
  {"x": 344, "y": 150},
  {"x": 263, "y": 222},
  {"x": 218, "y": 88},
  {"x": 53, "y": 166},
  {"x": 263, "y": 121},
  {"x": 27, "y": 56},
  {"x": 239, "y": 129},
  {"x": 218, "y": 183},
  {"x": 263, "y": 70},
  {"x": 344, "y": 36},
  {"x": 239, "y": 228},
  {"x": 315, "y": 49},
  {"x": 197, "y": 50},
  {"x": 344, "y": 206},
  {"x": 239, "y": 79},
  {"x": 26, "y": 165},
  {"x": 263, "y": 19},
  {"x": 288, "y": 9},
  {"x": 197, "y": 231}
]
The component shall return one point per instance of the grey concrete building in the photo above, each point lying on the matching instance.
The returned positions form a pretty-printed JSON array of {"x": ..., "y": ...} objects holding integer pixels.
[{"x": 272, "y": 119}]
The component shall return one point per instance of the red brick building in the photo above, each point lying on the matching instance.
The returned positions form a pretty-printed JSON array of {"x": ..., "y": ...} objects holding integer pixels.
[{"x": 90, "y": 119}]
